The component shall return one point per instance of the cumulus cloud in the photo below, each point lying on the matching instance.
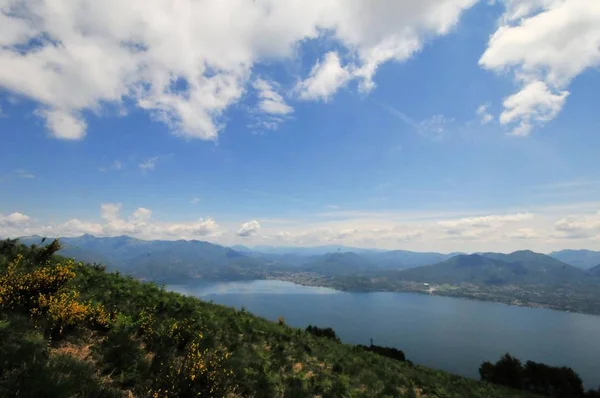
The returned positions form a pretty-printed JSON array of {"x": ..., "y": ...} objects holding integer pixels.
[
  {"x": 142, "y": 215},
  {"x": 586, "y": 226},
  {"x": 13, "y": 219},
  {"x": 270, "y": 101},
  {"x": 547, "y": 230},
  {"x": 187, "y": 64},
  {"x": 545, "y": 44},
  {"x": 272, "y": 108},
  {"x": 325, "y": 78},
  {"x": 63, "y": 124},
  {"x": 249, "y": 228},
  {"x": 484, "y": 116},
  {"x": 534, "y": 104},
  {"x": 138, "y": 224}
]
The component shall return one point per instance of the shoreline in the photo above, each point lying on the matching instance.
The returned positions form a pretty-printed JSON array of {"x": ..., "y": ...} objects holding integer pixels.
[{"x": 433, "y": 290}]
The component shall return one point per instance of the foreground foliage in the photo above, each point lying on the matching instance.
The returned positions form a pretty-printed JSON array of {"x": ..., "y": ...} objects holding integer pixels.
[
  {"x": 550, "y": 381},
  {"x": 82, "y": 332}
]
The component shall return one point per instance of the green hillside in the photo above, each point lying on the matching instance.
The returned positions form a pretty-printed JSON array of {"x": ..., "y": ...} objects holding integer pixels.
[
  {"x": 74, "y": 330},
  {"x": 161, "y": 261},
  {"x": 521, "y": 268}
]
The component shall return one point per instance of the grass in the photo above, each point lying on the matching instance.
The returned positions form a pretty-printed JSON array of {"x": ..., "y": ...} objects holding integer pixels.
[{"x": 163, "y": 344}]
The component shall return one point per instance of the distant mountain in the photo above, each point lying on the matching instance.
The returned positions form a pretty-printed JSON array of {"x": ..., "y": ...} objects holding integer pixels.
[
  {"x": 161, "y": 261},
  {"x": 403, "y": 259},
  {"x": 338, "y": 264},
  {"x": 521, "y": 267},
  {"x": 312, "y": 251},
  {"x": 579, "y": 258},
  {"x": 595, "y": 271},
  {"x": 241, "y": 249},
  {"x": 384, "y": 259}
]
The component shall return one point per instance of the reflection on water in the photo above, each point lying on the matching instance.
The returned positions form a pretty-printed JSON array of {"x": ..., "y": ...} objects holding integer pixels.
[
  {"x": 441, "y": 332},
  {"x": 203, "y": 289}
]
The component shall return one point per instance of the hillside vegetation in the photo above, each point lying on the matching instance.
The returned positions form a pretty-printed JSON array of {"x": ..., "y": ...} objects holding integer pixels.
[
  {"x": 73, "y": 330},
  {"x": 523, "y": 267}
]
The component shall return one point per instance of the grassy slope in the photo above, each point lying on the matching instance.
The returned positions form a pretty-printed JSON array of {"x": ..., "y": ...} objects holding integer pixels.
[{"x": 268, "y": 359}]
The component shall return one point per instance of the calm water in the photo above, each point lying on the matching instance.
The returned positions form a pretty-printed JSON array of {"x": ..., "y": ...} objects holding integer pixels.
[{"x": 441, "y": 332}]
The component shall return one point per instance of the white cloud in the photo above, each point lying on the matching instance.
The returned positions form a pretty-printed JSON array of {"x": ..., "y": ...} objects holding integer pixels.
[
  {"x": 585, "y": 226},
  {"x": 187, "y": 64},
  {"x": 546, "y": 44},
  {"x": 534, "y": 104},
  {"x": 272, "y": 108},
  {"x": 485, "y": 221},
  {"x": 270, "y": 101},
  {"x": 325, "y": 79},
  {"x": 13, "y": 219},
  {"x": 139, "y": 224},
  {"x": 110, "y": 211},
  {"x": 484, "y": 116},
  {"x": 63, "y": 124},
  {"x": 149, "y": 164},
  {"x": 249, "y": 228},
  {"x": 195, "y": 201},
  {"x": 524, "y": 233},
  {"x": 75, "y": 227},
  {"x": 548, "y": 229},
  {"x": 142, "y": 215}
]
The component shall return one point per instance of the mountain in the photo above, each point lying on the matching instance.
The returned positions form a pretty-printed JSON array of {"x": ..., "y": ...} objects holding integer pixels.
[
  {"x": 402, "y": 259},
  {"x": 338, "y": 264},
  {"x": 522, "y": 268},
  {"x": 312, "y": 251},
  {"x": 162, "y": 261},
  {"x": 595, "y": 271},
  {"x": 580, "y": 258},
  {"x": 241, "y": 249},
  {"x": 111, "y": 336},
  {"x": 145, "y": 258}
]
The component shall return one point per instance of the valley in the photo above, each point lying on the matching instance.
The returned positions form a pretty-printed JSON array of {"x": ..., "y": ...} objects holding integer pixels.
[{"x": 522, "y": 278}]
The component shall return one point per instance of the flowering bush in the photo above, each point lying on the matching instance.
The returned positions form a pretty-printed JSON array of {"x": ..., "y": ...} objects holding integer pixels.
[
  {"x": 198, "y": 372},
  {"x": 43, "y": 292}
]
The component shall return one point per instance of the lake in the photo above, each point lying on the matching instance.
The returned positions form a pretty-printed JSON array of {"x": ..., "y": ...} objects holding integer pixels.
[{"x": 440, "y": 332}]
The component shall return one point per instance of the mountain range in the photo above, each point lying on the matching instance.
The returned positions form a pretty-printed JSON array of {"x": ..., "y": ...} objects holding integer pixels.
[
  {"x": 521, "y": 267},
  {"x": 579, "y": 258},
  {"x": 174, "y": 261}
]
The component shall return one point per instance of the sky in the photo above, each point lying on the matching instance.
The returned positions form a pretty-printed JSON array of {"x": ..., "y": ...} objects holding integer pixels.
[{"x": 438, "y": 125}]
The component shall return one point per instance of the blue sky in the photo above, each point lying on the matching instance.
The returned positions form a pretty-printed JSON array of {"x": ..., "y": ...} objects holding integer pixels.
[{"x": 450, "y": 125}]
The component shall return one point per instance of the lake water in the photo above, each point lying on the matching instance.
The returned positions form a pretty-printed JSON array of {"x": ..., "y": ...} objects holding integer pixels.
[{"x": 440, "y": 332}]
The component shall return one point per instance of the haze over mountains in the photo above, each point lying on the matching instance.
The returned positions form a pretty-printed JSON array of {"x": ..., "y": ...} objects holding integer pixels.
[
  {"x": 521, "y": 267},
  {"x": 168, "y": 261},
  {"x": 579, "y": 258}
]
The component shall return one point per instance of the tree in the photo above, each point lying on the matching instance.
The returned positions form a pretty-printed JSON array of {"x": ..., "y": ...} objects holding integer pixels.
[{"x": 507, "y": 371}]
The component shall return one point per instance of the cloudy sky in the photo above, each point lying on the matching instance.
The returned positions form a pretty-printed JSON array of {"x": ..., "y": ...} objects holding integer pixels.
[{"x": 426, "y": 125}]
